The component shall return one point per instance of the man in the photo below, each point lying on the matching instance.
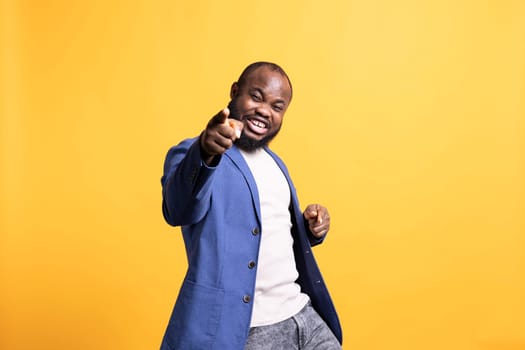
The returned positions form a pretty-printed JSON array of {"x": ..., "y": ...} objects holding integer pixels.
[{"x": 252, "y": 281}]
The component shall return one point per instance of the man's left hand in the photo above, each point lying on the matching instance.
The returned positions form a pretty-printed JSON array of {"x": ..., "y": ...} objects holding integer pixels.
[{"x": 318, "y": 219}]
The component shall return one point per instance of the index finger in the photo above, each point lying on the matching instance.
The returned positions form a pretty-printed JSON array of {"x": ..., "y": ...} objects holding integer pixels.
[{"x": 221, "y": 117}]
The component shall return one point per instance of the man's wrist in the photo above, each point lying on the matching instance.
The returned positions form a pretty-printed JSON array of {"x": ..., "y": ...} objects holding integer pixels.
[{"x": 205, "y": 156}]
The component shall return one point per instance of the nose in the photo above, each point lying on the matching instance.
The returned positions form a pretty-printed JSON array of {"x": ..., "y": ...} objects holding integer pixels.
[{"x": 263, "y": 110}]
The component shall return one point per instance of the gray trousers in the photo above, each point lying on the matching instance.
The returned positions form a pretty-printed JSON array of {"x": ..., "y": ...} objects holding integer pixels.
[{"x": 304, "y": 331}]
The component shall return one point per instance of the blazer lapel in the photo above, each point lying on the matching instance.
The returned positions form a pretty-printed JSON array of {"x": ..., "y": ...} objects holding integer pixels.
[{"x": 238, "y": 160}]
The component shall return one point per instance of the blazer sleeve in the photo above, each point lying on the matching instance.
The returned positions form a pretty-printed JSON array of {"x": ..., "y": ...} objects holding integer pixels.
[{"x": 186, "y": 184}]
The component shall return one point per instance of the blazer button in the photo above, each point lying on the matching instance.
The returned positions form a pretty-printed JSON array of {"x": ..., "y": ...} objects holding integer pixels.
[
  {"x": 251, "y": 264},
  {"x": 255, "y": 231},
  {"x": 246, "y": 298}
]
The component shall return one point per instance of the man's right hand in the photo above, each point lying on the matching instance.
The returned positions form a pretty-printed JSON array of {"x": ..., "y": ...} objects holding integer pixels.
[{"x": 219, "y": 135}]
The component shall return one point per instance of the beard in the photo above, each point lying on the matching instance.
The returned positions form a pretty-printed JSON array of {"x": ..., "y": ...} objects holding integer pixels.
[{"x": 245, "y": 142}]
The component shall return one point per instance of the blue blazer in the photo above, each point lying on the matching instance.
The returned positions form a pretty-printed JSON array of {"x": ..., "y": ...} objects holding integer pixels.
[{"x": 218, "y": 210}]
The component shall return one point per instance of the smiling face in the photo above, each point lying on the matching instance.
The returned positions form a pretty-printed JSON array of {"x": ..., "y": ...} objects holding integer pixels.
[{"x": 260, "y": 100}]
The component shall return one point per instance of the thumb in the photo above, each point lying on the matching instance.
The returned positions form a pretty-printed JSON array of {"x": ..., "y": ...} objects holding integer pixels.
[
  {"x": 310, "y": 213},
  {"x": 314, "y": 211},
  {"x": 237, "y": 126}
]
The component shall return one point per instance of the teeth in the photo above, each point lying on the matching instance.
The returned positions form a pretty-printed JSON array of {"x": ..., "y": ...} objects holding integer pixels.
[{"x": 258, "y": 124}]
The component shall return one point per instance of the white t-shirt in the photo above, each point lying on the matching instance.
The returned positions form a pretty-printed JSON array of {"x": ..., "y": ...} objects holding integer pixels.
[{"x": 277, "y": 296}]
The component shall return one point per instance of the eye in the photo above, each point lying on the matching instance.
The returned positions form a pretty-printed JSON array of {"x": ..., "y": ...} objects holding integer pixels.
[
  {"x": 256, "y": 97},
  {"x": 278, "y": 108}
]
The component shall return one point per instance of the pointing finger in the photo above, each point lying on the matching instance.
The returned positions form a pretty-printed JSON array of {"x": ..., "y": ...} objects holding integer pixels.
[{"x": 221, "y": 117}]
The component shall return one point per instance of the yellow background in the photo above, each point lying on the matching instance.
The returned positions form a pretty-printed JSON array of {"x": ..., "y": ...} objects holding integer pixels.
[{"x": 407, "y": 123}]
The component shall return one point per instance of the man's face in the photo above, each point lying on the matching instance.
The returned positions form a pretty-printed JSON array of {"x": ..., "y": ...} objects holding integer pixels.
[{"x": 260, "y": 103}]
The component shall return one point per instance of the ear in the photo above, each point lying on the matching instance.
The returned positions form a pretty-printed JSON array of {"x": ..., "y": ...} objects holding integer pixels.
[{"x": 234, "y": 90}]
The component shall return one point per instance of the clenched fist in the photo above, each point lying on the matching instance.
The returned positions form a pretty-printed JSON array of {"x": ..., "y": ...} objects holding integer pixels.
[{"x": 318, "y": 219}]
